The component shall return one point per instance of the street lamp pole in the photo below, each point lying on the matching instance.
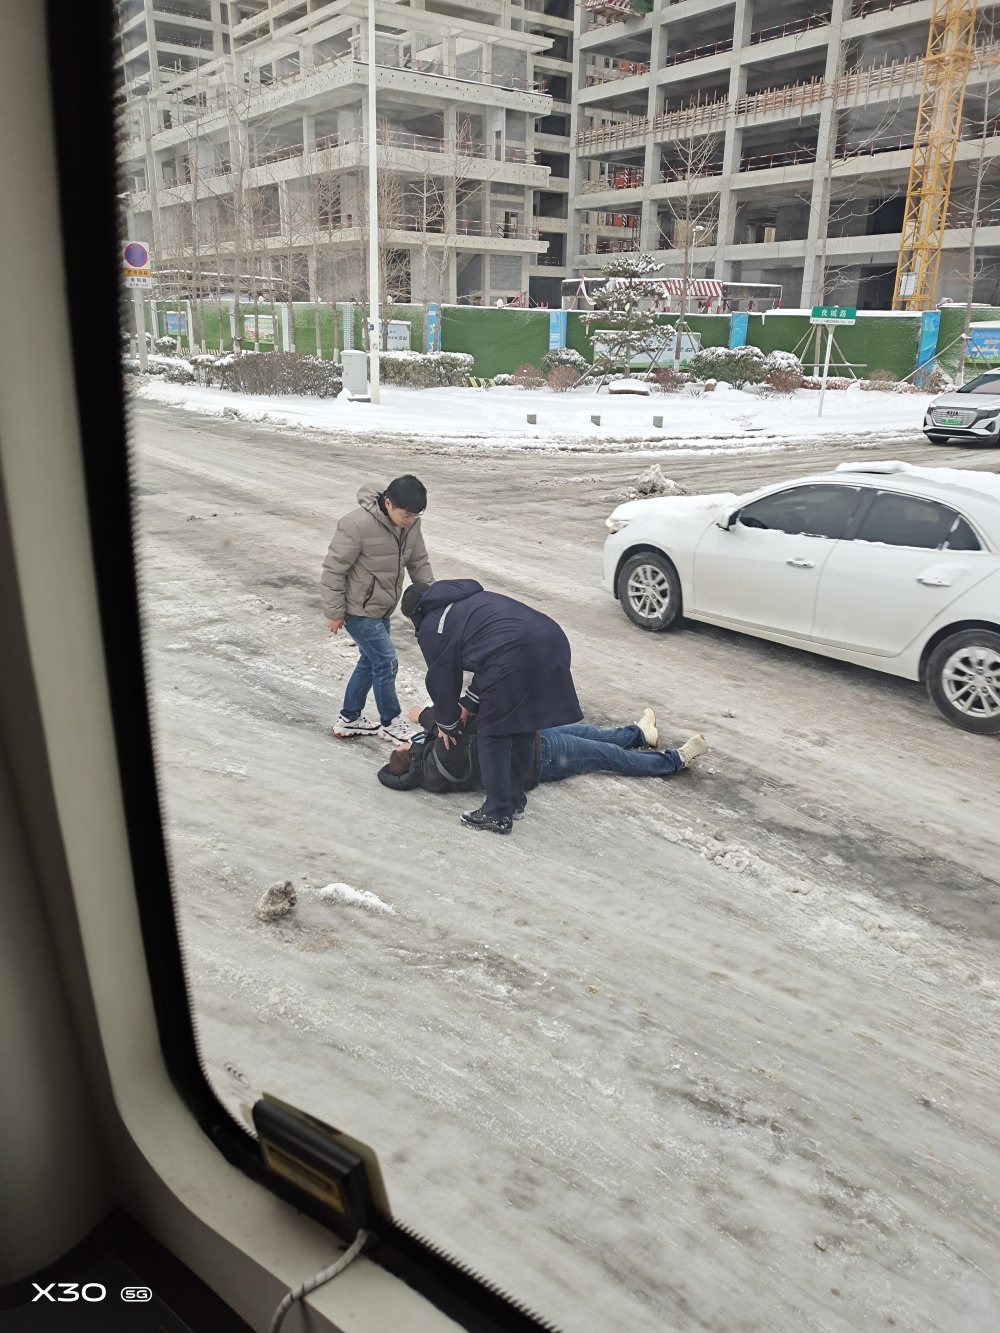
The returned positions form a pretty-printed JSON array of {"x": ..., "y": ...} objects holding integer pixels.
[{"x": 374, "y": 336}]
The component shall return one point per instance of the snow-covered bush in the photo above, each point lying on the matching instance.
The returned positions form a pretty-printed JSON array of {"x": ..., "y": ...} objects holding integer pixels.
[
  {"x": 562, "y": 378},
  {"x": 784, "y": 373},
  {"x": 834, "y": 382},
  {"x": 736, "y": 365},
  {"x": 166, "y": 346},
  {"x": 271, "y": 373},
  {"x": 172, "y": 368},
  {"x": 426, "y": 370},
  {"x": 502, "y": 381},
  {"x": 179, "y": 372},
  {"x": 668, "y": 380},
  {"x": 564, "y": 356},
  {"x": 888, "y": 386},
  {"x": 527, "y": 376}
]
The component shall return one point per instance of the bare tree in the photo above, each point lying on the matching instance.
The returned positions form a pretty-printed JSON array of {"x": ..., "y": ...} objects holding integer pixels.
[
  {"x": 447, "y": 186},
  {"x": 693, "y": 212}
]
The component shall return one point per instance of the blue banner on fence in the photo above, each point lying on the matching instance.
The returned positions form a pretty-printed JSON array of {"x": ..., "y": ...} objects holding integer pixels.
[
  {"x": 984, "y": 342},
  {"x": 930, "y": 328},
  {"x": 433, "y": 339},
  {"x": 175, "y": 321},
  {"x": 739, "y": 323},
  {"x": 558, "y": 322}
]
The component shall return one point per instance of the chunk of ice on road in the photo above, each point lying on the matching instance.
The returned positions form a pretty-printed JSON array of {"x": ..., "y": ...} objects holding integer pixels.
[{"x": 351, "y": 897}]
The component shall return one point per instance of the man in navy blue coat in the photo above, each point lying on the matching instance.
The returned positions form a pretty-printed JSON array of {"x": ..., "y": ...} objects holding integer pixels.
[{"x": 521, "y": 683}]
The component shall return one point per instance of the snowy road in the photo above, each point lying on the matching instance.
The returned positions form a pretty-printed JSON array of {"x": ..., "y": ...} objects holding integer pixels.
[{"x": 712, "y": 1053}]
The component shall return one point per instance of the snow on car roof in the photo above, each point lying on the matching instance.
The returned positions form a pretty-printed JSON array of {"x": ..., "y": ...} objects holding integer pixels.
[{"x": 978, "y": 483}]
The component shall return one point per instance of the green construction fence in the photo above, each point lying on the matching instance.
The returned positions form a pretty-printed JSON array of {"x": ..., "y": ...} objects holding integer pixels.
[{"x": 500, "y": 340}]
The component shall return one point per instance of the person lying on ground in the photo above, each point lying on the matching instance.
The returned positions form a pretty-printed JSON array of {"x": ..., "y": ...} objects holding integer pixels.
[
  {"x": 559, "y": 752},
  {"x": 362, "y": 579},
  {"x": 522, "y": 684}
]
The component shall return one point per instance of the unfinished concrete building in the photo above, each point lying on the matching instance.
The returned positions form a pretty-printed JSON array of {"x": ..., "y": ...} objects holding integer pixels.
[
  {"x": 245, "y": 132},
  {"x": 770, "y": 140}
]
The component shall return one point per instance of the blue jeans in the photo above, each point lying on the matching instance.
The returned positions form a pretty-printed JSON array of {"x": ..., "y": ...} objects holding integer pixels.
[
  {"x": 581, "y": 748},
  {"x": 376, "y": 669}
]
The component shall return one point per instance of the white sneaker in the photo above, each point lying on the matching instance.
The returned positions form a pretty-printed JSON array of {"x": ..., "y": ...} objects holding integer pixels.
[
  {"x": 361, "y": 726},
  {"x": 692, "y": 748},
  {"x": 398, "y": 730},
  {"x": 647, "y": 725}
]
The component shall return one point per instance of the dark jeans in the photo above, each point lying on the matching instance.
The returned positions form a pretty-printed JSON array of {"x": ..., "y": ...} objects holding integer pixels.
[
  {"x": 581, "y": 748},
  {"x": 505, "y": 763},
  {"x": 377, "y": 667}
]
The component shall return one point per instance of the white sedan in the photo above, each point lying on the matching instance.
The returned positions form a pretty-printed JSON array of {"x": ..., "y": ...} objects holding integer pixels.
[{"x": 888, "y": 565}]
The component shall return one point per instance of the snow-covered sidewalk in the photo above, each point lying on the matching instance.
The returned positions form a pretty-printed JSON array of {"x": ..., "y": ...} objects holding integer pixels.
[{"x": 498, "y": 417}]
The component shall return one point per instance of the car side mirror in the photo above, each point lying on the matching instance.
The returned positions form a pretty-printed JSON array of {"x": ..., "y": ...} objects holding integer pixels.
[{"x": 727, "y": 520}]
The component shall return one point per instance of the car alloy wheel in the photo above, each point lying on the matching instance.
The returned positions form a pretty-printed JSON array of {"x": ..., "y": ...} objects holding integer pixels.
[
  {"x": 963, "y": 679},
  {"x": 650, "y": 591},
  {"x": 971, "y": 680}
]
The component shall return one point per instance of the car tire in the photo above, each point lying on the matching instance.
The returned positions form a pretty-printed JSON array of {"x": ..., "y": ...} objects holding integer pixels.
[
  {"x": 650, "y": 591},
  {"x": 963, "y": 680},
  {"x": 937, "y": 438}
]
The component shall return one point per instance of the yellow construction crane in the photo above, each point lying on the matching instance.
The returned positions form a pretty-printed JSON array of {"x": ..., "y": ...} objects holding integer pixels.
[{"x": 939, "y": 122}]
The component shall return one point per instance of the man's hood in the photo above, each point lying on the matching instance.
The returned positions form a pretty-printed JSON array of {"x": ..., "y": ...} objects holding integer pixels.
[
  {"x": 368, "y": 499},
  {"x": 442, "y": 594}
]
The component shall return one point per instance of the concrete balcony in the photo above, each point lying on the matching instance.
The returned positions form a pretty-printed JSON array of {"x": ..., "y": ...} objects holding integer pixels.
[
  {"x": 608, "y": 91},
  {"x": 349, "y": 153},
  {"x": 312, "y": 85},
  {"x": 477, "y": 239}
]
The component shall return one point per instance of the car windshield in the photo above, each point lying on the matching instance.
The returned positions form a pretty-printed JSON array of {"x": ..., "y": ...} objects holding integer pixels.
[{"x": 989, "y": 383}]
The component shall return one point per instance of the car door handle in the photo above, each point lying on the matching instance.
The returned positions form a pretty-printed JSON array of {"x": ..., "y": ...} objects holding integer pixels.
[
  {"x": 934, "y": 582},
  {"x": 799, "y": 563}
]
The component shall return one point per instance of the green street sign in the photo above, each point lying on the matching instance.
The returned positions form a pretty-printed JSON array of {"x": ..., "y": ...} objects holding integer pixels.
[{"x": 833, "y": 314}]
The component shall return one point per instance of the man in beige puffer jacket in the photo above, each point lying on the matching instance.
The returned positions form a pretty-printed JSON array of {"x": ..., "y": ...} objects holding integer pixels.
[{"x": 360, "y": 587}]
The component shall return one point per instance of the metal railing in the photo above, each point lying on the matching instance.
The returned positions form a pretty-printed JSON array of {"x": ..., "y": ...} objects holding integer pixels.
[
  {"x": 620, "y": 69},
  {"x": 791, "y": 28},
  {"x": 862, "y": 8},
  {"x": 608, "y": 245},
  {"x": 160, "y": 7},
  {"x": 786, "y": 157},
  {"x": 193, "y": 43},
  {"x": 617, "y": 178},
  {"x": 670, "y": 173},
  {"x": 699, "y": 52},
  {"x": 429, "y": 143}
]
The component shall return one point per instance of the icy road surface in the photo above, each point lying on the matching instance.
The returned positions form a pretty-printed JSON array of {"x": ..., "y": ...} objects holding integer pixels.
[{"x": 716, "y": 1052}]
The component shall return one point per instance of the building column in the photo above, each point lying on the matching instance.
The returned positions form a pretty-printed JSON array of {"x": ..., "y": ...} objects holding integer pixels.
[
  {"x": 733, "y": 146},
  {"x": 649, "y": 227},
  {"x": 579, "y": 168},
  {"x": 826, "y": 147}
]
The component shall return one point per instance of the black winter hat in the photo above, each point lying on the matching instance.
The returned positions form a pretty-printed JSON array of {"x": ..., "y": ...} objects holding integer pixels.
[{"x": 411, "y": 597}]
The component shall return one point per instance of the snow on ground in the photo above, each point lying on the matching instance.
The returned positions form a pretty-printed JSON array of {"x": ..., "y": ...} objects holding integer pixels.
[
  {"x": 499, "y": 416},
  {"x": 711, "y": 1053}
]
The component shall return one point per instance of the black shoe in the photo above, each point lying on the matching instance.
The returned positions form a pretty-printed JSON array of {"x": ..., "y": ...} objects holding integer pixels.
[{"x": 476, "y": 819}]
